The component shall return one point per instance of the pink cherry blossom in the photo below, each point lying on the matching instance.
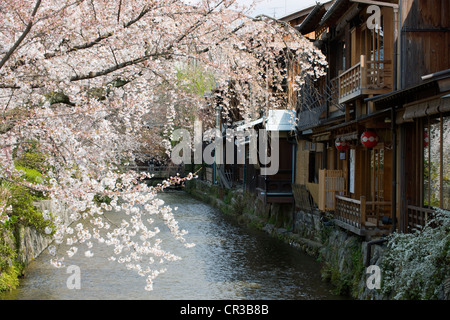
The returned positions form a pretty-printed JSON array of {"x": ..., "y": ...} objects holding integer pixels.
[{"x": 95, "y": 85}]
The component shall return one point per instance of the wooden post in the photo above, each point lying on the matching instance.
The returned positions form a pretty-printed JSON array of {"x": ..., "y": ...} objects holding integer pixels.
[
  {"x": 363, "y": 211},
  {"x": 322, "y": 187},
  {"x": 363, "y": 72}
]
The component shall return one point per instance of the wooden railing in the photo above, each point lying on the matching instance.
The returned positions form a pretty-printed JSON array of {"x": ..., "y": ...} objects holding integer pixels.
[
  {"x": 378, "y": 74},
  {"x": 351, "y": 211},
  {"x": 274, "y": 188},
  {"x": 365, "y": 75},
  {"x": 331, "y": 182},
  {"x": 418, "y": 217},
  {"x": 362, "y": 214},
  {"x": 350, "y": 81}
]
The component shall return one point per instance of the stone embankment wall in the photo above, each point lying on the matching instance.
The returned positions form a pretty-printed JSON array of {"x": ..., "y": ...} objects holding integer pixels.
[
  {"x": 31, "y": 243},
  {"x": 343, "y": 256}
]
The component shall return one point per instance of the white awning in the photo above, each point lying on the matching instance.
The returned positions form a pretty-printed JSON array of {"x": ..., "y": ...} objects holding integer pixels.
[
  {"x": 249, "y": 124},
  {"x": 281, "y": 120}
]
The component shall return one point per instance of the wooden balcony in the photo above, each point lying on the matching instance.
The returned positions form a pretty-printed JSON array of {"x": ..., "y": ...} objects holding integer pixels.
[
  {"x": 364, "y": 218},
  {"x": 364, "y": 78}
]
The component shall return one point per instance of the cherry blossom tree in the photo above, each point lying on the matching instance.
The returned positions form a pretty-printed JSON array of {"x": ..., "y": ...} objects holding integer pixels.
[{"x": 90, "y": 83}]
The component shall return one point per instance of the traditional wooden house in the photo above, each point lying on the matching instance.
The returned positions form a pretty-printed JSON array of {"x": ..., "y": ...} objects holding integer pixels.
[
  {"x": 257, "y": 156},
  {"x": 348, "y": 155},
  {"x": 421, "y": 105},
  {"x": 344, "y": 175},
  {"x": 268, "y": 163},
  {"x": 422, "y": 127},
  {"x": 277, "y": 187}
]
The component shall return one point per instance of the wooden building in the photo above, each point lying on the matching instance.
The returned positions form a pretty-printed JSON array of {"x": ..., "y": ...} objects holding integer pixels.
[
  {"x": 270, "y": 171},
  {"x": 378, "y": 54},
  {"x": 277, "y": 188}
]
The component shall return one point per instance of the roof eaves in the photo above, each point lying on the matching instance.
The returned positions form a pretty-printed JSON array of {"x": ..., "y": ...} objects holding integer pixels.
[
  {"x": 313, "y": 14},
  {"x": 335, "y": 6}
]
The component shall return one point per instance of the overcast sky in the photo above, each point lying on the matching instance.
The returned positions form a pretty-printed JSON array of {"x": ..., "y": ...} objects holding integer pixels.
[
  {"x": 279, "y": 8},
  {"x": 274, "y": 8}
]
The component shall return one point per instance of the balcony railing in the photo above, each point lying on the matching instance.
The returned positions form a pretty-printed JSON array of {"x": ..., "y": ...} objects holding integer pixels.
[
  {"x": 365, "y": 77},
  {"x": 350, "y": 83},
  {"x": 361, "y": 216},
  {"x": 274, "y": 190},
  {"x": 417, "y": 217}
]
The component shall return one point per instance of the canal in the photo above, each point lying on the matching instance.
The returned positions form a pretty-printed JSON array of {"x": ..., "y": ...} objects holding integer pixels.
[{"x": 229, "y": 261}]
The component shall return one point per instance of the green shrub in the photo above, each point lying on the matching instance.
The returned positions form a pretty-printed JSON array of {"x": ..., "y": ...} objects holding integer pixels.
[
  {"x": 30, "y": 175},
  {"x": 32, "y": 158},
  {"x": 9, "y": 278},
  {"x": 9, "y": 272},
  {"x": 23, "y": 210},
  {"x": 416, "y": 264}
]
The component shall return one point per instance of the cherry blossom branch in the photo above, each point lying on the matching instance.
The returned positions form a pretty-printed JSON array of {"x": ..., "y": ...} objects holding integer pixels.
[
  {"x": 165, "y": 52},
  {"x": 25, "y": 184},
  {"x": 109, "y": 125},
  {"x": 23, "y": 35},
  {"x": 100, "y": 38},
  {"x": 119, "y": 66}
]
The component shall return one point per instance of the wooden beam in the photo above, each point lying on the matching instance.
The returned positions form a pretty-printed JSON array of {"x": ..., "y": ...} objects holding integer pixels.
[
  {"x": 377, "y": 3},
  {"x": 363, "y": 211}
]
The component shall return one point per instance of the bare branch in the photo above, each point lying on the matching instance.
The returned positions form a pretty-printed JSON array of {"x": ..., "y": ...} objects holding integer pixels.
[{"x": 118, "y": 11}]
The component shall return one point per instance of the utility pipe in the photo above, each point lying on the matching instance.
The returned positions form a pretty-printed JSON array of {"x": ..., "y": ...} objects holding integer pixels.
[
  {"x": 369, "y": 248},
  {"x": 394, "y": 170}
]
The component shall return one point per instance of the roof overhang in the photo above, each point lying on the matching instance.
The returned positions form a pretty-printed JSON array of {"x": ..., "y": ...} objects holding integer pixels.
[
  {"x": 434, "y": 84},
  {"x": 250, "y": 124}
]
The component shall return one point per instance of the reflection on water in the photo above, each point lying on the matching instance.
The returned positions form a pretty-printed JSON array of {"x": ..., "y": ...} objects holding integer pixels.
[{"x": 228, "y": 262}]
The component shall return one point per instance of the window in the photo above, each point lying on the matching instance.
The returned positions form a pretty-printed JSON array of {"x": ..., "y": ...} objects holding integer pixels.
[{"x": 436, "y": 168}]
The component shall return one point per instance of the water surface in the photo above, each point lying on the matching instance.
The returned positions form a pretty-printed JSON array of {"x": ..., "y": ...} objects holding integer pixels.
[{"x": 229, "y": 261}]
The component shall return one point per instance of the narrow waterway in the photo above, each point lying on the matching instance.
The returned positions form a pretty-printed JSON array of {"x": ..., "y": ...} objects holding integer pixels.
[{"x": 229, "y": 261}]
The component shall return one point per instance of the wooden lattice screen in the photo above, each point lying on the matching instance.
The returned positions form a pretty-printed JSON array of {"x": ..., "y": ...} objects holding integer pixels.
[{"x": 331, "y": 182}]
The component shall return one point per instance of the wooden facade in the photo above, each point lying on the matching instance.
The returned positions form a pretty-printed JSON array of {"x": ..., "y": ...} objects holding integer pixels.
[
  {"x": 425, "y": 39},
  {"x": 423, "y": 127},
  {"x": 390, "y": 78},
  {"x": 389, "y": 75},
  {"x": 273, "y": 185}
]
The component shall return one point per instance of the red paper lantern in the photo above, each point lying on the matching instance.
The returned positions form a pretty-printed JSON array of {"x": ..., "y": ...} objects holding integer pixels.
[
  {"x": 342, "y": 145},
  {"x": 369, "y": 139}
]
